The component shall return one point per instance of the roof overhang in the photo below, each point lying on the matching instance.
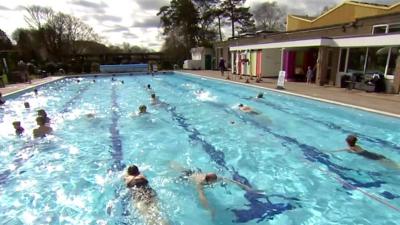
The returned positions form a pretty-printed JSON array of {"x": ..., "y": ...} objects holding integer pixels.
[{"x": 361, "y": 41}]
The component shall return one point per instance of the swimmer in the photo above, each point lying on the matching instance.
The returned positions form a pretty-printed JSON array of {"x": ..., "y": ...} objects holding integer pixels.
[
  {"x": 144, "y": 197},
  {"x": 247, "y": 109},
  {"x": 154, "y": 99},
  {"x": 2, "y": 100},
  {"x": 27, "y": 106},
  {"x": 36, "y": 92},
  {"x": 142, "y": 109},
  {"x": 352, "y": 147},
  {"x": 43, "y": 129},
  {"x": 200, "y": 180},
  {"x": 43, "y": 114},
  {"x": 122, "y": 82},
  {"x": 260, "y": 95},
  {"x": 91, "y": 115},
  {"x": 94, "y": 81},
  {"x": 18, "y": 128}
]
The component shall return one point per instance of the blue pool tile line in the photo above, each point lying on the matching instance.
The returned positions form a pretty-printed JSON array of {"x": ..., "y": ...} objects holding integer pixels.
[
  {"x": 311, "y": 153},
  {"x": 116, "y": 152}
]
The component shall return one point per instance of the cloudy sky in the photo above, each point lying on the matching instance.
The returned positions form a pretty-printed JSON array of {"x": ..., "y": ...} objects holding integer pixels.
[{"x": 132, "y": 21}]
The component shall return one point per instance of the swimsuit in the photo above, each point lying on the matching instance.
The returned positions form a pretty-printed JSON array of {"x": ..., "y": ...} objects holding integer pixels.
[{"x": 371, "y": 155}]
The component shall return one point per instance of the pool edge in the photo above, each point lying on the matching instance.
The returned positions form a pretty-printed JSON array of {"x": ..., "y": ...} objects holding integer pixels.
[
  {"x": 20, "y": 91},
  {"x": 299, "y": 95}
]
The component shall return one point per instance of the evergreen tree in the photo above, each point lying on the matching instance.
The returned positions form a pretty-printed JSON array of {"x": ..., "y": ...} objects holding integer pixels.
[{"x": 238, "y": 15}]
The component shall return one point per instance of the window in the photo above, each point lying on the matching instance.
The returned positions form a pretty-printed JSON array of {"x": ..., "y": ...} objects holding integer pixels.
[
  {"x": 379, "y": 29},
  {"x": 394, "y": 54},
  {"x": 394, "y": 28},
  {"x": 356, "y": 60},
  {"x": 377, "y": 59},
  {"x": 343, "y": 56}
]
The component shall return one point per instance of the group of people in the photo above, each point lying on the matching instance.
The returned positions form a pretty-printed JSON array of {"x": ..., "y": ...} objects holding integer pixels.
[{"x": 42, "y": 120}]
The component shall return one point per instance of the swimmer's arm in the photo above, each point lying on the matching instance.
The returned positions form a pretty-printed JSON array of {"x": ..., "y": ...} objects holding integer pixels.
[
  {"x": 203, "y": 199},
  {"x": 243, "y": 186}
]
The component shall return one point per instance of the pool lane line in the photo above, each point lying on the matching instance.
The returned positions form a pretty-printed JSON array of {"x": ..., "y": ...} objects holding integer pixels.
[
  {"x": 19, "y": 161},
  {"x": 330, "y": 125},
  {"x": 116, "y": 153},
  {"x": 383, "y": 113},
  {"x": 345, "y": 183},
  {"x": 310, "y": 152},
  {"x": 257, "y": 209}
]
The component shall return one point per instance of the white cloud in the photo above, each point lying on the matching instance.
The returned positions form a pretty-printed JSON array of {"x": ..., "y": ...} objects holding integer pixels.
[
  {"x": 113, "y": 20},
  {"x": 132, "y": 21}
]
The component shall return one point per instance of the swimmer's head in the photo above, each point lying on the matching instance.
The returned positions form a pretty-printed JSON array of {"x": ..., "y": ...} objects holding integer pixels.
[
  {"x": 40, "y": 120},
  {"x": 351, "y": 140},
  {"x": 133, "y": 170},
  {"x": 240, "y": 105},
  {"x": 153, "y": 96},
  {"x": 122, "y": 82},
  {"x": 142, "y": 109},
  {"x": 35, "y": 91},
  {"x": 260, "y": 95},
  {"x": 26, "y": 104},
  {"x": 94, "y": 81},
  {"x": 148, "y": 86},
  {"x": 211, "y": 177},
  {"x": 41, "y": 113},
  {"x": 16, "y": 124}
]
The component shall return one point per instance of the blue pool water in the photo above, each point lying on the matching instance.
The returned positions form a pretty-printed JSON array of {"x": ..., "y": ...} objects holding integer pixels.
[{"x": 75, "y": 175}]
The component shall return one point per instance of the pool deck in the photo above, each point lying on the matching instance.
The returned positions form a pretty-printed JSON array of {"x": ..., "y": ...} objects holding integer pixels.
[
  {"x": 388, "y": 104},
  {"x": 11, "y": 88}
]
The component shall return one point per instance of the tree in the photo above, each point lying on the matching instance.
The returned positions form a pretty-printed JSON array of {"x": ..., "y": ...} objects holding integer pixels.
[
  {"x": 207, "y": 16},
  {"x": 269, "y": 16},
  {"x": 180, "y": 22},
  {"x": 5, "y": 42},
  {"x": 238, "y": 15},
  {"x": 58, "y": 32}
]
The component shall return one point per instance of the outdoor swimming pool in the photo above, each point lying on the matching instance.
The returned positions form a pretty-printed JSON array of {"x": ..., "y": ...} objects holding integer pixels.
[{"x": 75, "y": 176}]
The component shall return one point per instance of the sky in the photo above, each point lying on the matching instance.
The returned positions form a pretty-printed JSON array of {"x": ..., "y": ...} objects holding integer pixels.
[{"x": 132, "y": 21}]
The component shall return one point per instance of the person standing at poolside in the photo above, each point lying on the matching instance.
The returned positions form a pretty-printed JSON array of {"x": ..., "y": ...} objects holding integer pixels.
[
  {"x": 19, "y": 130},
  {"x": 2, "y": 100},
  {"x": 144, "y": 197},
  {"x": 309, "y": 75},
  {"x": 221, "y": 66},
  {"x": 43, "y": 129}
]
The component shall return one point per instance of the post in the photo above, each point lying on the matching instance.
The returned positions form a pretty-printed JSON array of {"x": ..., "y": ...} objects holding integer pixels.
[
  {"x": 396, "y": 82},
  {"x": 322, "y": 66}
]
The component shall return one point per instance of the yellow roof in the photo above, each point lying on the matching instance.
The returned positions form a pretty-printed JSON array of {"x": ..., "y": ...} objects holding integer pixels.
[{"x": 344, "y": 12}]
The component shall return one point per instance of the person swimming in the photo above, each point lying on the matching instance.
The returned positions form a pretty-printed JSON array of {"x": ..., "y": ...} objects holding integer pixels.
[
  {"x": 43, "y": 129},
  {"x": 352, "y": 147},
  {"x": 247, "y": 109},
  {"x": 154, "y": 99},
  {"x": 351, "y": 141},
  {"x": 42, "y": 113},
  {"x": 144, "y": 197},
  {"x": 27, "y": 105},
  {"x": 260, "y": 95},
  {"x": 142, "y": 109},
  {"x": 200, "y": 180},
  {"x": 36, "y": 91},
  {"x": 19, "y": 130},
  {"x": 149, "y": 86}
]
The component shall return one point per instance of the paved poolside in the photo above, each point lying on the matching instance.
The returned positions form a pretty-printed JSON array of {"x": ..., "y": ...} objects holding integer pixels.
[
  {"x": 388, "y": 103},
  {"x": 20, "y": 86}
]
